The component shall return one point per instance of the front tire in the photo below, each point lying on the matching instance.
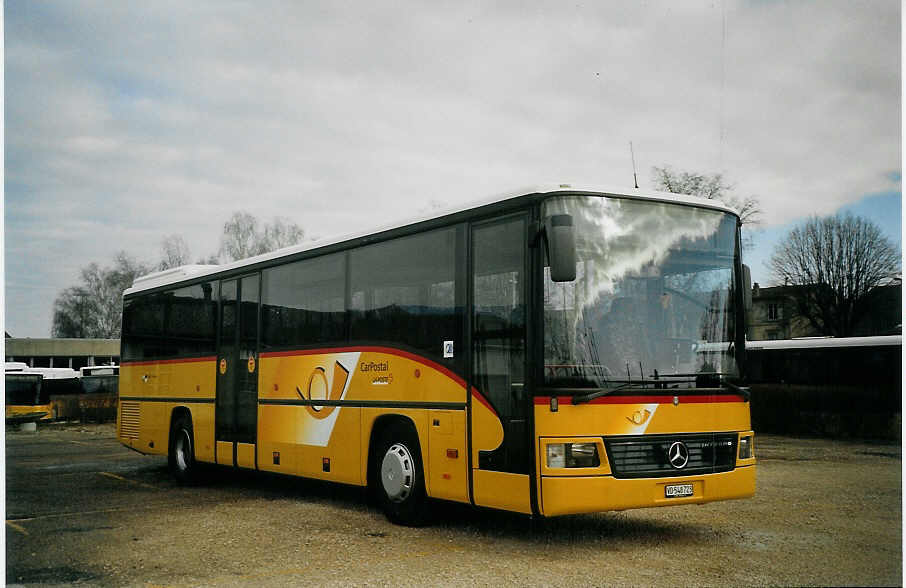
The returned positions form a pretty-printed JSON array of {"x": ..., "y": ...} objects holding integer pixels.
[
  {"x": 181, "y": 456},
  {"x": 399, "y": 477}
]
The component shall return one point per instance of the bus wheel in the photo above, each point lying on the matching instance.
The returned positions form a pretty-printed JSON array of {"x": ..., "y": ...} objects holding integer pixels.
[
  {"x": 400, "y": 478},
  {"x": 182, "y": 451}
]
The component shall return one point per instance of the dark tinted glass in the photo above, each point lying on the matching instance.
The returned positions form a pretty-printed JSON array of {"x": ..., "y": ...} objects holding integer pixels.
[
  {"x": 248, "y": 329},
  {"x": 303, "y": 302},
  {"x": 498, "y": 335},
  {"x": 225, "y": 407},
  {"x": 170, "y": 324},
  {"x": 143, "y": 328},
  {"x": 23, "y": 389},
  {"x": 228, "y": 313},
  {"x": 405, "y": 292},
  {"x": 247, "y": 391},
  {"x": 191, "y": 319}
]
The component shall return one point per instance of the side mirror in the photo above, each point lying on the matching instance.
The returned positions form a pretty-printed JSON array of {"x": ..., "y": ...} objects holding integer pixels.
[
  {"x": 747, "y": 287},
  {"x": 561, "y": 247}
]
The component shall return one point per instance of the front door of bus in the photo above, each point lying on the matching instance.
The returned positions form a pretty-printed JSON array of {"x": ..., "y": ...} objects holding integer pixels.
[
  {"x": 499, "y": 288},
  {"x": 236, "y": 417}
]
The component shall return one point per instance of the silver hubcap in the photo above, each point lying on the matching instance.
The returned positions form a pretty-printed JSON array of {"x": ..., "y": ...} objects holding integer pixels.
[
  {"x": 183, "y": 450},
  {"x": 397, "y": 473}
]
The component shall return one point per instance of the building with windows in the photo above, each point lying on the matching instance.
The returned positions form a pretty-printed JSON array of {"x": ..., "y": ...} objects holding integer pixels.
[
  {"x": 774, "y": 313},
  {"x": 774, "y": 316}
]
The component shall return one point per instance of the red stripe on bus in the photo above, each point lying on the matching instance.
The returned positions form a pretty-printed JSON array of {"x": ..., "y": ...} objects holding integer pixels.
[
  {"x": 388, "y": 350},
  {"x": 162, "y": 361},
  {"x": 702, "y": 399}
]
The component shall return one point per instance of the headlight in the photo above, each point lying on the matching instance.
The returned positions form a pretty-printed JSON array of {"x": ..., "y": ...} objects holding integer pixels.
[
  {"x": 582, "y": 455},
  {"x": 745, "y": 447},
  {"x": 556, "y": 455},
  {"x": 573, "y": 455}
]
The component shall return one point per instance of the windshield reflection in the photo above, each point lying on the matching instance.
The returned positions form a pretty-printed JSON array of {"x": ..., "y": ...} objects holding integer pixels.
[{"x": 652, "y": 300}]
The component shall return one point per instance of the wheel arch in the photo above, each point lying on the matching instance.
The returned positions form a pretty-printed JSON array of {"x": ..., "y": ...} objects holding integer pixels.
[
  {"x": 178, "y": 413},
  {"x": 381, "y": 424}
]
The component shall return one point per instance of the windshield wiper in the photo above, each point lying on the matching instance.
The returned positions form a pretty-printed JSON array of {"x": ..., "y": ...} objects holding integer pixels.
[{"x": 599, "y": 393}]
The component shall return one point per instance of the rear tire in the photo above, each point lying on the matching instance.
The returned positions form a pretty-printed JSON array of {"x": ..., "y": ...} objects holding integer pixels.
[
  {"x": 399, "y": 480},
  {"x": 181, "y": 456}
]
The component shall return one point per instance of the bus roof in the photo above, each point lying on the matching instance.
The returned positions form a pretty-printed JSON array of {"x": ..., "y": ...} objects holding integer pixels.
[
  {"x": 189, "y": 272},
  {"x": 48, "y": 373},
  {"x": 99, "y": 370}
]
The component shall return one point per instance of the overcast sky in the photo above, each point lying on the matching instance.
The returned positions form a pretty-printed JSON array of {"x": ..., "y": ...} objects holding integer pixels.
[{"x": 126, "y": 122}]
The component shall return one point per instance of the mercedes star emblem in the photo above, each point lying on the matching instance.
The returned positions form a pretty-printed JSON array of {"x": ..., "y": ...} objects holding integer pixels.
[{"x": 678, "y": 455}]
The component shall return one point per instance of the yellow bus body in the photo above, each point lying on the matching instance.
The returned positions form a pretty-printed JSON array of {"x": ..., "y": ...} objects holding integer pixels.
[
  {"x": 149, "y": 393},
  {"x": 14, "y": 411},
  {"x": 577, "y": 490},
  {"x": 295, "y": 436}
]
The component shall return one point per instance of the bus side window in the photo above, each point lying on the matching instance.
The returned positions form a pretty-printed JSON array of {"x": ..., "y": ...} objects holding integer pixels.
[{"x": 404, "y": 291}]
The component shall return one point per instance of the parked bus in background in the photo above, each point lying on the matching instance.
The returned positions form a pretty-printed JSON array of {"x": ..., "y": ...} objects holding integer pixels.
[
  {"x": 831, "y": 361},
  {"x": 539, "y": 352},
  {"x": 99, "y": 379},
  {"x": 29, "y": 390}
]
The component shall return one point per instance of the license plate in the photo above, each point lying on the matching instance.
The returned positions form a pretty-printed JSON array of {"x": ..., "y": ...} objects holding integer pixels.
[{"x": 677, "y": 490}]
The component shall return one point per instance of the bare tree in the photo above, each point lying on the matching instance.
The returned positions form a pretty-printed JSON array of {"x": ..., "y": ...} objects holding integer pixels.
[
  {"x": 94, "y": 307},
  {"x": 242, "y": 238},
  {"x": 712, "y": 187},
  {"x": 174, "y": 252},
  {"x": 282, "y": 233},
  {"x": 836, "y": 262},
  {"x": 211, "y": 259}
]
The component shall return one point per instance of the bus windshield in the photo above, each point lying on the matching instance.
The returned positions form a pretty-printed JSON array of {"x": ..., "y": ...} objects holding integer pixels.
[
  {"x": 25, "y": 390},
  {"x": 653, "y": 300}
]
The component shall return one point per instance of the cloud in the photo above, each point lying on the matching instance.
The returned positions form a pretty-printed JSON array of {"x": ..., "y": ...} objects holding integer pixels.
[{"x": 126, "y": 123}]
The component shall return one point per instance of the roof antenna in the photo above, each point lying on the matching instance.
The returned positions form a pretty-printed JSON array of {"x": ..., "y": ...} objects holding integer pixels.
[{"x": 635, "y": 178}]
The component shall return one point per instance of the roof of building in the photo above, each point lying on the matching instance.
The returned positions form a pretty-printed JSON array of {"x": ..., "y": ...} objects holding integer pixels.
[{"x": 26, "y": 347}]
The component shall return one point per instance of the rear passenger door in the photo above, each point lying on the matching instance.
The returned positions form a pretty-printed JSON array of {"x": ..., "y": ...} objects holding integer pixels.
[{"x": 236, "y": 416}]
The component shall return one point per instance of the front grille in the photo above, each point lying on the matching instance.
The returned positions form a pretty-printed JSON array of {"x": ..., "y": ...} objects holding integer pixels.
[
  {"x": 130, "y": 417},
  {"x": 646, "y": 456}
]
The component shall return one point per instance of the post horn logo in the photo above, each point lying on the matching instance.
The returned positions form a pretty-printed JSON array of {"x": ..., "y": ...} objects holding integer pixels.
[
  {"x": 318, "y": 389},
  {"x": 639, "y": 417}
]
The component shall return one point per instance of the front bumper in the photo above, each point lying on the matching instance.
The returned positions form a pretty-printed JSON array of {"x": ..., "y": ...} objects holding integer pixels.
[{"x": 585, "y": 494}]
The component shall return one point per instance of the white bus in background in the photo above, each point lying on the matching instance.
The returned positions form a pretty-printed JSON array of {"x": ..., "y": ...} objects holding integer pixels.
[{"x": 98, "y": 379}]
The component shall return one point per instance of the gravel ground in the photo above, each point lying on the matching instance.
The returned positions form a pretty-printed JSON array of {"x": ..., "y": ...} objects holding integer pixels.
[{"x": 83, "y": 509}]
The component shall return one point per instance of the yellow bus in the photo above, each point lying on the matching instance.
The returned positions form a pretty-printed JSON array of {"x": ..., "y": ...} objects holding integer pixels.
[
  {"x": 25, "y": 401},
  {"x": 559, "y": 350},
  {"x": 30, "y": 391}
]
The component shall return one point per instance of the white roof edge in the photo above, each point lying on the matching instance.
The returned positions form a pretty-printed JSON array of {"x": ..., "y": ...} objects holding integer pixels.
[
  {"x": 175, "y": 275},
  {"x": 168, "y": 276},
  {"x": 826, "y": 342}
]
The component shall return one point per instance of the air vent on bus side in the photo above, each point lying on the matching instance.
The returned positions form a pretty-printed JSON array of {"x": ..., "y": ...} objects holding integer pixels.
[{"x": 130, "y": 417}]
